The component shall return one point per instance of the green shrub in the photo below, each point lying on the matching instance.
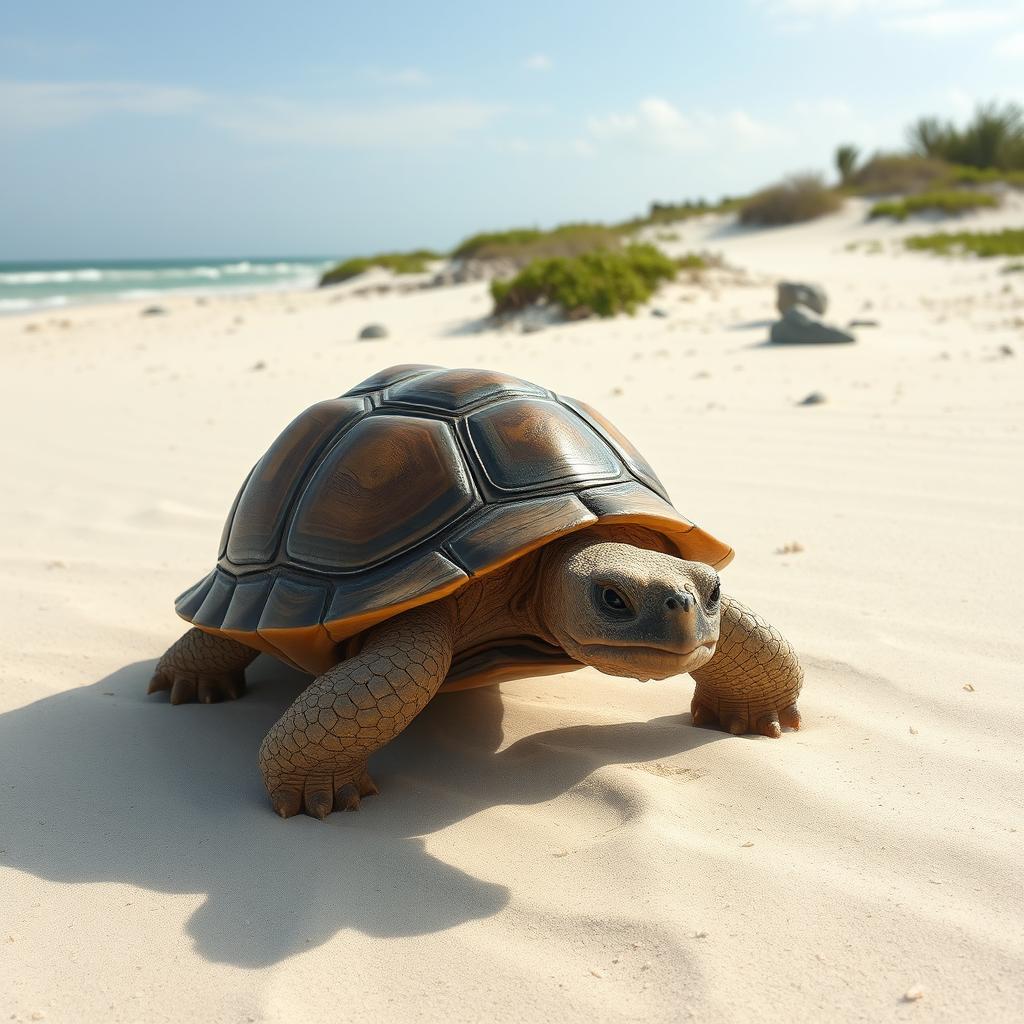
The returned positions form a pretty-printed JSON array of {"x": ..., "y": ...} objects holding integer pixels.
[
  {"x": 671, "y": 213},
  {"x": 398, "y": 262},
  {"x": 799, "y": 198},
  {"x": 1009, "y": 242},
  {"x": 994, "y": 137},
  {"x": 603, "y": 282},
  {"x": 521, "y": 245},
  {"x": 950, "y": 201},
  {"x": 693, "y": 261},
  {"x": 887, "y": 173}
]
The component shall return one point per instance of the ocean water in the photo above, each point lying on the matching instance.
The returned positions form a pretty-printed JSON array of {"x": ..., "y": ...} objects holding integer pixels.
[{"x": 30, "y": 286}]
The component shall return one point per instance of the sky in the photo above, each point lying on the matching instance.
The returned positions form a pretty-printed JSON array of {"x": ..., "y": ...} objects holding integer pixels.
[{"x": 203, "y": 129}]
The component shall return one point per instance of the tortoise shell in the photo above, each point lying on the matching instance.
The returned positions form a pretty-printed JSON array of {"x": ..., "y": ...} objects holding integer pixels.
[{"x": 402, "y": 490}]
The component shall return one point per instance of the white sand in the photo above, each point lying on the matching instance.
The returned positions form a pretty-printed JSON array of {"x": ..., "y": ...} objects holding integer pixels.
[{"x": 569, "y": 848}]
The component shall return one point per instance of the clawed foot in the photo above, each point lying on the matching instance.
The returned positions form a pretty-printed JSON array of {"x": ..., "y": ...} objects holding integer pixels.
[
  {"x": 744, "y": 719},
  {"x": 319, "y": 793},
  {"x": 193, "y": 686}
]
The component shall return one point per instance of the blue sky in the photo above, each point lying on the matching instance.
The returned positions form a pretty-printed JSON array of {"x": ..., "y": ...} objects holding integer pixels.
[{"x": 223, "y": 128}]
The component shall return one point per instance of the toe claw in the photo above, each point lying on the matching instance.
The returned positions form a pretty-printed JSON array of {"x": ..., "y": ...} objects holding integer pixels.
[
  {"x": 346, "y": 798},
  {"x": 737, "y": 726},
  {"x": 286, "y": 802},
  {"x": 701, "y": 715},
  {"x": 319, "y": 804},
  {"x": 769, "y": 725},
  {"x": 183, "y": 690},
  {"x": 366, "y": 785},
  {"x": 790, "y": 717},
  {"x": 158, "y": 682}
]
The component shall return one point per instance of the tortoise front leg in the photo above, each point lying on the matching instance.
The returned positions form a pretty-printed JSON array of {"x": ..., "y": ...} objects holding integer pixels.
[
  {"x": 753, "y": 681},
  {"x": 314, "y": 759}
]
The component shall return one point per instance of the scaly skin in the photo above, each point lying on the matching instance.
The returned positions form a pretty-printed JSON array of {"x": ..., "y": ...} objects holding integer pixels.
[
  {"x": 314, "y": 758},
  {"x": 204, "y": 668},
  {"x": 753, "y": 681}
]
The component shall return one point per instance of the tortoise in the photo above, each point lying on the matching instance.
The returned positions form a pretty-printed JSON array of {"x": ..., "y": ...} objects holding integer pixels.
[{"x": 438, "y": 529}]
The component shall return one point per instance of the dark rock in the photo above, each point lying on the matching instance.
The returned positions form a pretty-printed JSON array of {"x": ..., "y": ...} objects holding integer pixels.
[
  {"x": 154, "y": 311},
  {"x": 373, "y": 331},
  {"x": 659, "y": 312},
  {"x": 792, "y": 293},
  {"x": 814, "y": 398},
  {"x": 799, "y": 326}
]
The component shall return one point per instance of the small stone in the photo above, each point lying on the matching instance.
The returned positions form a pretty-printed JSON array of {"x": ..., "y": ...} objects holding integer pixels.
[
  {"x": 373, "y": 331},
  {"x": 814, "y": 398},
  {"x": 596, "y": 973},
  {"x": 969, "y": 687},
  {"x": 659, "y": 312},
  {"x": 260, "y": 364},
  {"x": 747, "y": 844},
  {"x": 792, "y": 293},
  {"x": 792, "y": 547},
  {"x": 913, "y": 731},
  {"x": 1005, "y": 350},
  {"x": 700, "y": 935},
  {"x": 38, "y": 1015},
  {"x": 802, "y": 326},
  {"x": 913, "y": 993},
  {"x": 617, "y": 392},
  {"x": 154, "y": 311}
]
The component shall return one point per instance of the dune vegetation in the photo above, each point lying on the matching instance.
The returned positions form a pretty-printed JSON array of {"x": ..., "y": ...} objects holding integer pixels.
[
  {"x": 948, "y": 201},
  {"x": 1009, "y": 242},
  {"x": 798, "y": 198},
  {"x": 415, "y": 262},
  {"x": 602, "y": 283}
]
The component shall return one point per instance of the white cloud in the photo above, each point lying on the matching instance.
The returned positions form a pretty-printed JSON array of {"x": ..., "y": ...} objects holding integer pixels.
[
  {"x": 38, "y": 106},
  {"x": 1010, "y": 46},
  {"x": 41, "y": 105},
  {"x": 538, "y": 62},
  {"x": 951, "y": 21},
  {"x": 655, "y": 123}
]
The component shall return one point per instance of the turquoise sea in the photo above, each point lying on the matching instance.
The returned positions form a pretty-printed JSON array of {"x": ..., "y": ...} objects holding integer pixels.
[{"x": 30, "y": 286}]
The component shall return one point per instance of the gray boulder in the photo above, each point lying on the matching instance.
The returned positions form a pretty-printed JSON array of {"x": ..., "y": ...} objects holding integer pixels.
[
  {"x": 801, "y": 326},
  {"x": 799, "y": 293},
  {"x": 373, "y": 331}
]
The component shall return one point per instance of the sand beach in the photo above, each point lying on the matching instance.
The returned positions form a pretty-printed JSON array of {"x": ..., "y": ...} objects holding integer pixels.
[{"x": 569, "y": 847}]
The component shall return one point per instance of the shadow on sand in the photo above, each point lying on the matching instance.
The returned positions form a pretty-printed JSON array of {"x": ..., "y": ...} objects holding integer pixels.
[{"x": 101, "y": 783}]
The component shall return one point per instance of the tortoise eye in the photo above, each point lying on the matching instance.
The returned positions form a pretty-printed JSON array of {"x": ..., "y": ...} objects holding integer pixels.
[
  {"x": 611, "y": 598},
  {"x": 716, "y": 593}
]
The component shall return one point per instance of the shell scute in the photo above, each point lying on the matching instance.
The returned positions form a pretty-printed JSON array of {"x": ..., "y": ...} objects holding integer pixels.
[
  {"x": 525, "y": 445},
  {"x": 451, "y": 391},
  {"x": 390, "y": 483}
]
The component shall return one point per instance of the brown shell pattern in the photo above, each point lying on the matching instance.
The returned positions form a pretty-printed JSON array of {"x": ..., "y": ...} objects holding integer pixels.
[{"x": 399, "y": 491}]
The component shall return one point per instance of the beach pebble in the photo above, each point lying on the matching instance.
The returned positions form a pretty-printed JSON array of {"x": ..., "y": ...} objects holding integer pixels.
[
  {"x": 260, "y": 364},
  {"x": 154, "y": 311},
  {"x": 373, "y": 331},
  {"x": 969, "y": 687},
  {"x": 657, "y": 311},
  {"x": 913, "y": 993},
  {"x": 792, "y": 547},
  {"x": 792, "y": 293},
  {"x": 814, "y": 398}
]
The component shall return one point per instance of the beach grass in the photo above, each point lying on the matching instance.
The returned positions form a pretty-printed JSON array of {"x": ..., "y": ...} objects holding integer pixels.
[
  {"x": 799, "y": 198},
  {"x": 415, "y": 262},
  {"x": 1009, "y": 242},
  {"x": 949, "y": 201}
]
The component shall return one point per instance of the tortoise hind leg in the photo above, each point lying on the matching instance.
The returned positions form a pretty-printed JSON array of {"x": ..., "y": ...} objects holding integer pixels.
[{"x": 202, "y": 667}]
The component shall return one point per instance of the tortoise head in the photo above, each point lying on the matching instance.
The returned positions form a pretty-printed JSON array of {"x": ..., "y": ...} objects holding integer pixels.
[{"x": 628, "y": 611}]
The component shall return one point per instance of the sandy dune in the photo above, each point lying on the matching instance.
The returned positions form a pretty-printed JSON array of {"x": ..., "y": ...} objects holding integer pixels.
[{"x": 567, "y": 848}]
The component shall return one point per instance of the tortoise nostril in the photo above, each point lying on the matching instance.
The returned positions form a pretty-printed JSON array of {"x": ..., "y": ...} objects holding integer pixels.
[
  {"x": 683, "y": 601},
  {"x": 672, "y": 603}
]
